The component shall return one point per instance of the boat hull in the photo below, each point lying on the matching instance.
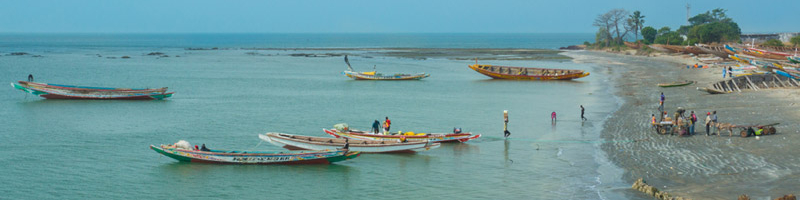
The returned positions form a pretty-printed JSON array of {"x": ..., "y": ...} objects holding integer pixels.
[
  {"x": 296, "y": 142},
  {"x": 215, "y": 157},
  {"x": 440, "y": 138},
  {"x": 679, "y": 84},
  {"x": 378, "y": 77},
  {"x": 496, "y": 75},
  {"x": 52, "y": 91}
]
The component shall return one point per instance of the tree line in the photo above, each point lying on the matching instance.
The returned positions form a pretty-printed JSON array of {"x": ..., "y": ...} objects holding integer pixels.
[{"x": 617, "y": 25}]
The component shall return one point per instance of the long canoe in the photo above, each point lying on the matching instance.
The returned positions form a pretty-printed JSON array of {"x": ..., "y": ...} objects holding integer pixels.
[
  {"x": 528, "y": 73},
  {"x": 299, "y": 142},
  {"x": 433, "y": 137},
  {"x": 58, "y": 91},
  {"x": 675, "y": 84},
  {"x": 254, "y": 157},
  {"x": 384, "y": 77}
]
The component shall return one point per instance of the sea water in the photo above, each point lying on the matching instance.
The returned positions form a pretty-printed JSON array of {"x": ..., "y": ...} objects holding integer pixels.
[{"x": 91, "y": 149}]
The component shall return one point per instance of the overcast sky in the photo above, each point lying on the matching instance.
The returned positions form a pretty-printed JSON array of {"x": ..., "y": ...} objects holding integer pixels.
[{"x": 370, "y": 16}]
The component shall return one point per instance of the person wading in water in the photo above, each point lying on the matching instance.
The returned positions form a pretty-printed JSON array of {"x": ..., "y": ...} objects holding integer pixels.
[{"x": 582, "y": 112}]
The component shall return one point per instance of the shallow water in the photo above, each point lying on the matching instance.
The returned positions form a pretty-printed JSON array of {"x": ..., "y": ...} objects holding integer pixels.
[{"x": 99, "y": 149}]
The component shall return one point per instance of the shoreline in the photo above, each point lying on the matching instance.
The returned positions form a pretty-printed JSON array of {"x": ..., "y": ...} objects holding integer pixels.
[{"x": 698, "y": 167}]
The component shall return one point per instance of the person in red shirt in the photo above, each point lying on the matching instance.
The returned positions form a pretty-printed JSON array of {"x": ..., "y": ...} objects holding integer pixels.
[{"x": 387, "y": 124}]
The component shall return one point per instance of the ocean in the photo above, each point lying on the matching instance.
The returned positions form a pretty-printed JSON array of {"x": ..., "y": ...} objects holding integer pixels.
[{"x": 224, "y": 98}]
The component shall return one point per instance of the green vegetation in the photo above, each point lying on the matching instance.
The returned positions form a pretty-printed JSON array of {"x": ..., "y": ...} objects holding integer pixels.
[
  {"x": 773, "y": 42},
  {"x": 795, "y": 41},
  {"x": 666, "y": 36},
  {"x": 636, "y": 21},
  {"x": 613, "y": 26},
  {"x": 649, "y": 34},
  {"x": 711, "y": 26}
]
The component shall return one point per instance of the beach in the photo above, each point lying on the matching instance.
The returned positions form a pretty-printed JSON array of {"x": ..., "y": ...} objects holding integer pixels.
[{"x": 698, "y": 166}]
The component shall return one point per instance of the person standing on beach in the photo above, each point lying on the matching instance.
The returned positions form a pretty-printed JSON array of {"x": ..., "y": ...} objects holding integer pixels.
[
  {"x": 693, "y": 121},
  {"x": 376, "y": 127},
  {"x": 661, "y": 103},
  {"x": 714, "y": 119},
  {"x": 708, "y": 124},
  {"x": 553, "y": 117},
  {"x": 730, "y": 71},
  {"x": 724, "y": 71},
  {"x": 582, "y": 112}
]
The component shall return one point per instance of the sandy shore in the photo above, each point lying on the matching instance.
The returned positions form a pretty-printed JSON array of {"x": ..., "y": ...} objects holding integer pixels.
[{"x": 699, "y": 166}]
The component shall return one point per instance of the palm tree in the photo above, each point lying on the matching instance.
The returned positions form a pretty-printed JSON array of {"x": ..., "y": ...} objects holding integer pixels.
[{"x": 637, "y": 19}]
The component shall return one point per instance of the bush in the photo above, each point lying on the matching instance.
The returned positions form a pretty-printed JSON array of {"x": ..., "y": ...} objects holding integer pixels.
[
  {"x": 795, "y": 40},
  {"x": 773, "y": 42},
  {"x": 649, "y": 34}
]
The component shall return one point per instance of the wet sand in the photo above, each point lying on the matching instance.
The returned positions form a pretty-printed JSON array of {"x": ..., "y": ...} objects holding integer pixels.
[{"x": 699, "y": 166}]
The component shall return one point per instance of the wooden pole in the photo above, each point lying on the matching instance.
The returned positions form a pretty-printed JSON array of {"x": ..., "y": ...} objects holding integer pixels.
[
  {"x": 734, "y": 84},
  {"x": 729, "y": 86},
  {"x": 751, "y": 82}
]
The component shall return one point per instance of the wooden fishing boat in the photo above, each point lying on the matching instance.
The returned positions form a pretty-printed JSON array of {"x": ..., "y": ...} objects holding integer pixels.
[
  {"x": 693, "y": 50},
  {"x": 712, "y": 90},
  {"x": 793, "y": 59},
  {"x": 58, "y": 91},
  {"x": 528, "y": 73},
  {"x": 633, "y": 45},
  {"x": 433, "y": 137},
  {"x": 299, "y": 142},
  {"x": 718, "y": 51},
  {"x": 661, "y": 48},
  {"x": 676, "y": 48},
  {"x": 386, "y": 77},
  {"x": 675, "y": 84},
  {"x": 760, "y": 54},
  {"x": 184, "y": 154},
  {"x": 374, "y": 75}
]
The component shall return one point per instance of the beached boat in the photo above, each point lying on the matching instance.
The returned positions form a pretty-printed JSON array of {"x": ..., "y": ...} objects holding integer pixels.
[
  {"x": 432, "y": 137},
  {"x": 299, "y": 142},
  {"x": 661, "y": 48},
  {"x": 793, "y": 59},
  {"x": 676, "y": 48},
  {"x": 718, "y": 51},
  {"x": 58, "y": 91},
  {"x": 187, "y": 154},
  {"x": 374, "y": 75},
  {"x": 693, "y": 50},
  {"x": 761, "y": 54},
  {"x": 712, "y": 90},
  {"x": 633, "y": 45},
  {"x": 528, "y": 73},
  {"x": 675, "y": 84}
]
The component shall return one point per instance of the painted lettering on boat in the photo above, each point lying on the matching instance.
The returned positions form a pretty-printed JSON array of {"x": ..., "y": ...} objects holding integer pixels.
[{"x": 250, "y": 159}]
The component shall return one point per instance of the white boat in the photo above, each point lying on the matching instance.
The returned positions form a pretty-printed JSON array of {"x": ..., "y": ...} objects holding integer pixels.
[{"x": 299, "y": 142}]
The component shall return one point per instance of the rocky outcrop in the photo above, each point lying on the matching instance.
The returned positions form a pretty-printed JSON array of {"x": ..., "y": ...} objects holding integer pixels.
[
  {"x": 642, "y": 186},
  {"x": 573, "y": 47}
]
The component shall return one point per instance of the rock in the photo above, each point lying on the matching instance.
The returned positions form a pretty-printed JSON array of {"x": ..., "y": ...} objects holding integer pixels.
[
  {"x": 572, "y": 47},
  {"x": 787, "y": 197},
  {"x": 18, "y": 54},
  {"x": 126, "y": 57},
  {"x": 744, "y": 197},
  {"x": 155, "y": 54}
]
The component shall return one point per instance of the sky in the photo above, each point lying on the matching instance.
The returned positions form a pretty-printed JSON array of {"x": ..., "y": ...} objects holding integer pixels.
[{"x": 371, "y": 16}]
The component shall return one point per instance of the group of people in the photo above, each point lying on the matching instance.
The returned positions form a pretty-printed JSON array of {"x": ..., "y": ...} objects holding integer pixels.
[
  {"x": 376, "y": 126},
  {"x": 680, "y": 119},
  {"x": 728, "y": 71}
]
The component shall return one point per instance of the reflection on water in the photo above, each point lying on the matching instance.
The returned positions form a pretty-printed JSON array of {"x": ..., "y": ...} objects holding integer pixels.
[{"x": 506, "y": 145}]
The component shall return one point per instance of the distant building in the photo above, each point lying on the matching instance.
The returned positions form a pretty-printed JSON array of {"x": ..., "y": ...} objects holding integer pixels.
[{"x": 763, "y": 37}]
